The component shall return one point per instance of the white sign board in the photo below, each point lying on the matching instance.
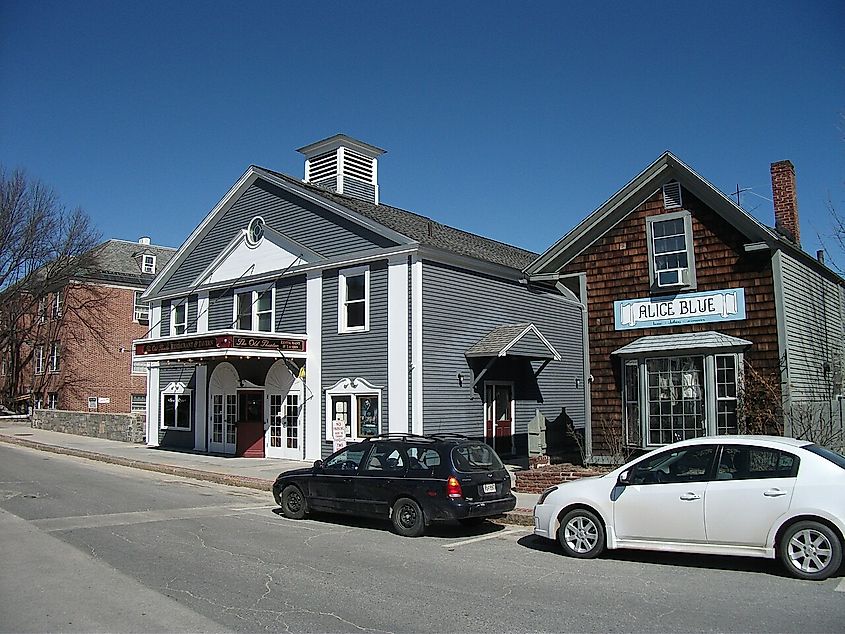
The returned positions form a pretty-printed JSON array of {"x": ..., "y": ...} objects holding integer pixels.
[
  {"x": 338, "y": 434},
  {"x": 103, "y": 399}
]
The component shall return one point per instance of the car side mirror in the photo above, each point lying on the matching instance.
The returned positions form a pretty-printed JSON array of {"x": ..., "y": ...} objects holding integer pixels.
[
  {"x": 318, "y": 464},
  {"x": 626, "y": 477}
]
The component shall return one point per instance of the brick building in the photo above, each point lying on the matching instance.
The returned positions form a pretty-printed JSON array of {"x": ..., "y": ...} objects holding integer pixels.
[
  {"x": 692, "y": 306},
  {"x": 82, "y": 344}
]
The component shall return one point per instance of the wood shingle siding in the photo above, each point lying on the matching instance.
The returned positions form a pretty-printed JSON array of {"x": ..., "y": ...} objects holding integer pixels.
[{"x": 616, "y": 266}]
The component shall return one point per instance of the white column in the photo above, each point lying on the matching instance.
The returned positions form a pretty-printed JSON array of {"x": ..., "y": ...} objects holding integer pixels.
[
  {"x": 202, "y": 312},
  {"x": 416, "y": 346},
  {"x": 313, "y": 366},
  {"x": 201, "y": 408},
  {"x": 153, "y": 405},
  {"x": 397, "y": 344},
  {"x": 155, "y": 320}
]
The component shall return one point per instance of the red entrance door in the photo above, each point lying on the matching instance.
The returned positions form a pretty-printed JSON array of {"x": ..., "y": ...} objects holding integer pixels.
[
  {"x": 498, "y": 406},
  {"x": 251, "y": 424}
]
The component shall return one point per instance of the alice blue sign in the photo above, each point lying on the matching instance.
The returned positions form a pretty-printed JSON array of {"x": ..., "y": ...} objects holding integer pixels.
[{"x": 674, "y": 310}]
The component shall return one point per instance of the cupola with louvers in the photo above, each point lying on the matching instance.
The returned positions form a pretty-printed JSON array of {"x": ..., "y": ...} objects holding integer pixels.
[{"x": 343, "y": 165}]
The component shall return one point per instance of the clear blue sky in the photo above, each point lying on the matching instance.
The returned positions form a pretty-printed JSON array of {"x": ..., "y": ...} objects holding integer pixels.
[{"x": 513, "y": 120}]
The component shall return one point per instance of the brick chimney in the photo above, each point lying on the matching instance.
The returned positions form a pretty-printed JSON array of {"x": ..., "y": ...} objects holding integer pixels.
[{"x": 785, "y": 200}]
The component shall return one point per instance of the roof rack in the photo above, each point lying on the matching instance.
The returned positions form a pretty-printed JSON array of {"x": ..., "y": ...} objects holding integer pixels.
[
  {"x": 398, "y": 436},
  {"x": 445, "y": 435}
]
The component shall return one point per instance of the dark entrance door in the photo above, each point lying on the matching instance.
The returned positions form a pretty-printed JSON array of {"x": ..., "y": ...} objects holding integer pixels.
[{"x": 251, "y": 424}]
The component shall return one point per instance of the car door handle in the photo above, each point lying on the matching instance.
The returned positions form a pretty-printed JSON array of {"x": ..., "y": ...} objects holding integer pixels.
[
  {"x": 774, "y": 493},
  {"x": 690, "y": 496}
]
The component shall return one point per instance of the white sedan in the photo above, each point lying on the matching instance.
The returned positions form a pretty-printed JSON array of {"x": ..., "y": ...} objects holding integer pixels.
[{"x": 758, "y": 496}]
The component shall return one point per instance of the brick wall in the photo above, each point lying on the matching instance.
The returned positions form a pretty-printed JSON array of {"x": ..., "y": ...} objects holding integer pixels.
[
  {"x": 122, "y": 427},
  {"x": 539, "y": 479},
  {"x": 617, "y": 268},
  {"x": 97, "y": 362}
]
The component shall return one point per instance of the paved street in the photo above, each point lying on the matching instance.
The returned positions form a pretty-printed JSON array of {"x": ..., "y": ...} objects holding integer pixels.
[{"x": 89, "y": 546}]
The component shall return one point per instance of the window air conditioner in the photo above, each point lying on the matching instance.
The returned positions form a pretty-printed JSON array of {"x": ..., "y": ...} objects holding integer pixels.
[{"x": 673, "y": 277}]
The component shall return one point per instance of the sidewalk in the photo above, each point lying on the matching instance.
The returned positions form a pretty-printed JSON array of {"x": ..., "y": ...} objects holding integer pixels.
[{"x": 253, "y": 473}]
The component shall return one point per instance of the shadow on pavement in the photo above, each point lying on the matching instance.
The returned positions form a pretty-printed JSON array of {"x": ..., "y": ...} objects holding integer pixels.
[
  {"x": 771, "y": 567},
  {"x": 444, "y": 530}
]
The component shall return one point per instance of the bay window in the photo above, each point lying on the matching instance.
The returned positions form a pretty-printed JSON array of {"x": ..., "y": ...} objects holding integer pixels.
[{"x": 668, "y": 398}]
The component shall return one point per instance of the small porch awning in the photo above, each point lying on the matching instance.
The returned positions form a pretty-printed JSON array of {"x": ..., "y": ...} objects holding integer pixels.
[
  {"x": 681, "y": 342},
  {"x": 516, "y": 340},
  {"x": 220, "y": 344}
]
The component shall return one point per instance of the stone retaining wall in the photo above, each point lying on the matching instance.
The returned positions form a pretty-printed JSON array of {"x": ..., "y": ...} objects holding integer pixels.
[
  {"x": 123, "y": 427},
  {"x": 539, "y": 479}
]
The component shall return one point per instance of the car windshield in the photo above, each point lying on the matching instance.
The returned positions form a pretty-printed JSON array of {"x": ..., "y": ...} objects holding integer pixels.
[
  {"x": 475, "y": 457},
  {"x": 835, "y": 457}
]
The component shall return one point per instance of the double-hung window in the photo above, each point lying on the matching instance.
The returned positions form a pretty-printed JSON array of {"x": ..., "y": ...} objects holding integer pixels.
[
  {"x": 55, "y": 359},
  {"x": 138, "y": 403},
  {"x": 52, "y": 400},
  {"x": 58, "y": 304},
  {"x": 671, "y": 257},
  {"x": 142, "y": 309},
  {"x": 179, "y": 318},
  {"x": 254, "y": 310},
  {"x": 38, "y": 359},
  {"x": 148, "y": 264},
  {"x": 354, "y": 300}
]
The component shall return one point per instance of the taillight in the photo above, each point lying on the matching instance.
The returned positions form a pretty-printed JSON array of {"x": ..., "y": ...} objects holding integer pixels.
[{"x": 453, "y": 488}]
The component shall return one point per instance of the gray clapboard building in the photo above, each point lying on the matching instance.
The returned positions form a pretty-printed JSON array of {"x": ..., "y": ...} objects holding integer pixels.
[{"x": 302, "y": 311}]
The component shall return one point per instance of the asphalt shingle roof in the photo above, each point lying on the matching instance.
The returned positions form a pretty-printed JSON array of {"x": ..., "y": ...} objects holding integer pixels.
[
  {"x": 682, "y": 341},
  {"x": 424, "y": 230}
]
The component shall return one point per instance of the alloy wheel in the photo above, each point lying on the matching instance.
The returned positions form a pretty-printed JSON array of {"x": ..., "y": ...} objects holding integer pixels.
[
  {"x": 581, "y": 534},
  {"x": 810, "y": 550}
]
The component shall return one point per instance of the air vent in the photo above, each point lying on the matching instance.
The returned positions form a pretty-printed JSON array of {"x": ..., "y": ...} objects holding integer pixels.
[
  {"x": 344, "y": 165},
  {"x": 669, "y": 278},
  {"x": 672, "y": 195}
]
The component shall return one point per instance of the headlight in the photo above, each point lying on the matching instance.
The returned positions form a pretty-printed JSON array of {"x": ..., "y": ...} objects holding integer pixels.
[{"x": 545, "y": 494}]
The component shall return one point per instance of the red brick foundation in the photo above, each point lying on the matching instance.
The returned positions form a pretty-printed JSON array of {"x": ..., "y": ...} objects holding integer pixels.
[{"x": 539, "y": 479}]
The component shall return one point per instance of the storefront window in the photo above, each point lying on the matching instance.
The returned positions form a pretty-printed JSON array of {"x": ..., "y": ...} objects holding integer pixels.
[
  {"x": 176, "y": 411},
  {"x": 357, "y": 404},
  {"x": 667, "y": 399},
  {"x": 675, "y": 399}
]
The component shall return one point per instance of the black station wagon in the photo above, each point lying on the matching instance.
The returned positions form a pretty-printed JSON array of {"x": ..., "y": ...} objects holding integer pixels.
[{"x": 412, "y": 480}]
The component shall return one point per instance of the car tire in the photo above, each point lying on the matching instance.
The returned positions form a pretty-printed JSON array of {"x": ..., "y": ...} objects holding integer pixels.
[
  {"x": 407, "y": 518},
  {"x": 581, "y": 534},
  {"x": 810, "y": 550},
  {"x": 294, "y": 504}
]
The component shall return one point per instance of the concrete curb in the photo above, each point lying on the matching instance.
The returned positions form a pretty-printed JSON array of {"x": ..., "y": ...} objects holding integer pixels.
[{"x": 518, "y": 517}]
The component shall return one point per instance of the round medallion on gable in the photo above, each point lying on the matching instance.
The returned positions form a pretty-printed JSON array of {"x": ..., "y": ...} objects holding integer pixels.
[{"x": 255, "y": 231}]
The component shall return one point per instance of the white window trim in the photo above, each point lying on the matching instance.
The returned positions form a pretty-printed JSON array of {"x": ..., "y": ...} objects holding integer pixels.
[
  {"x": 55, "y": 357},
  {"x": 58, "y": 304},
  {"x": 148, "y": 263},
  {"x": 178, "y": 389},
  {"x": 353, "y": 388},
  {"x": 255, "y": 291},
  {"x": 173, "y": 324},
  {"x": 341, "y": 299},
  {"x": 38, "y": 359},
  {"x": 52, "y": 400},
  {"x": 132, "y": 403},
  {"x": 688, "y": 239},
  {"x": 138, "y": 367},
  {"x": 708, "y": 384},
  {"x": 141, "y": 310}
]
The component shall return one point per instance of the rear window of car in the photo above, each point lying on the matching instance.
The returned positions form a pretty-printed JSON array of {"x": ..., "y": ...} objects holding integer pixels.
[
  {"x": 475, "y": 457},
  {"x": 828, "y": 454}
]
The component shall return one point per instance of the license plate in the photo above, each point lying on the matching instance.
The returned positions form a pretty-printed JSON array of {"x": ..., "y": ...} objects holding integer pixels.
[{"x": 489, "y": 488}]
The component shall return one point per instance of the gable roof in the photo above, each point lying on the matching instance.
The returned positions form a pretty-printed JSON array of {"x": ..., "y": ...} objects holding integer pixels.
[
  {"x": 119, "y": 261},
  {"x": 666, "y": 168},
  {"x": 400, "y": 226},
  {"x": 504, "y": 340},
  {"x": 423, "y": 229}
]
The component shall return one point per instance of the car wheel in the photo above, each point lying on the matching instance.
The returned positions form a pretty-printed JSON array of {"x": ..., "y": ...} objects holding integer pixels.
[
  {"x": 294, "y": 504},
  {"x": 810, "y": 550},
  {"x": 581, "y": 534},
  {"x": 408, "y": 518}
]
